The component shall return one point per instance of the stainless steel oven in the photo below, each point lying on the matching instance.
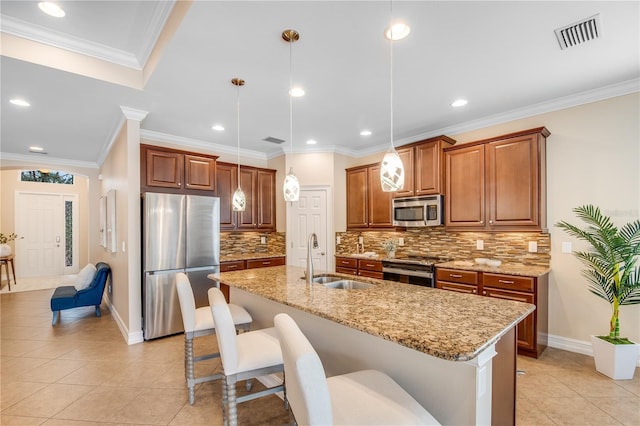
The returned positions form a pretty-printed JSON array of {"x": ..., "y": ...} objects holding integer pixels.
[{"x": 418, "y": 273}]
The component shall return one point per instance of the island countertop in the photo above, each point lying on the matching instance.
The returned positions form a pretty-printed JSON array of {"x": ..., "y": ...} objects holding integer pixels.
[{"x": 444, "y": 324}]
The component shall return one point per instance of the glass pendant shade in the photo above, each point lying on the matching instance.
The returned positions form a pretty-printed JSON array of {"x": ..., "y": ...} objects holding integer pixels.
[
  {"x": 291, "y": 187},
  {"x": 391, "y": 171},
  {"x": 239, "y": 200}
]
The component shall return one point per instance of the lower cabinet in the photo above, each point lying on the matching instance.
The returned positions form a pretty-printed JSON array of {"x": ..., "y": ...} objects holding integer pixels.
[
  {"x": 359, "y": 267},
  {"x": 532, "y": 331}
]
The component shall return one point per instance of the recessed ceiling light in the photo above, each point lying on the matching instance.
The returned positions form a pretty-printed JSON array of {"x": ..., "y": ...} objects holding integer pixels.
[
  {"x": 51, "y": 9},
  {"x": 20, "y": 102},
  {"x": 365, "y": 133},
  {"x": 397, "y": 31},
  {"x": 37, "y": 149},
  {"x": 218, "y": 127},
  {"x": 296, "y": 92},
  {"x": 459, "y": 103},
  {"x": 311, "y": 142}
]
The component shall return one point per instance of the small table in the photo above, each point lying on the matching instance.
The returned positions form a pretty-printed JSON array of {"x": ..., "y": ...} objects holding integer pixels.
[{"x": 6, "y": 260}]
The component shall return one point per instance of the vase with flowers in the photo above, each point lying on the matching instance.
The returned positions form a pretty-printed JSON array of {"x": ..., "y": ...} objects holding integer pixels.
[{"x": 5, "y": 249}]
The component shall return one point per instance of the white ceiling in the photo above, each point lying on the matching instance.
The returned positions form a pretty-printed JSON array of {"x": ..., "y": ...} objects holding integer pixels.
[{"x": 501, "y": 56}]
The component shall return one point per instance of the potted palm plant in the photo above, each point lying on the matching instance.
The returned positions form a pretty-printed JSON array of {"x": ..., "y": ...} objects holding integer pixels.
[{"x": 613, "y": 273}]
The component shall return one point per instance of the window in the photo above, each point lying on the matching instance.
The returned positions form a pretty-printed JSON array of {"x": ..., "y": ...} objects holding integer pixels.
[
  {"x": 68, "y": 233},
  {"x": 46, "y": 176}
]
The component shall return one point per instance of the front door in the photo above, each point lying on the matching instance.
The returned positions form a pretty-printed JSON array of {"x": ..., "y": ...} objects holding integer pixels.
[
  {"x": 309, "y": 214},
  {"x": 40, "y": 223}
]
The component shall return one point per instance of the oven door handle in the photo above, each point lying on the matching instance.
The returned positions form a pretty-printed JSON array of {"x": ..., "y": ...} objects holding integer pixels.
[{"x": 411, "y": 273}]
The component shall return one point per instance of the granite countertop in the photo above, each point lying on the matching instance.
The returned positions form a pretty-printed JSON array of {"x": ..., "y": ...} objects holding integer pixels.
[
  {"x": 444, "y": 324},
  {"x": 249, "y": 256},
  {"x": 508, "y": 268}
]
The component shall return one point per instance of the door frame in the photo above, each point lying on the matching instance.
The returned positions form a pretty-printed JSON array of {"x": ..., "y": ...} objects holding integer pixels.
[{"x": 329, "y": 224}]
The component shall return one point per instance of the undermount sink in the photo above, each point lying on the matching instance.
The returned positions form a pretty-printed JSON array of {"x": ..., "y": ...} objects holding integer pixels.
[
  {"x": 348, "y": 285},
  {"x": 326, "y": 279}
]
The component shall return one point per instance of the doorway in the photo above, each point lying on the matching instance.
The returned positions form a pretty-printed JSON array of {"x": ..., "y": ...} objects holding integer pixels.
[
  {"x": 312, "y": 213},
  {"x": 48, "y": 224}
]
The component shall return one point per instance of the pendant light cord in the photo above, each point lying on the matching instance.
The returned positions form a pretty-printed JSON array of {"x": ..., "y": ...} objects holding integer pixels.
[
  {"x": 238, "y": 115},
  {"x": 391, "y": 69},
  {"x": 291, "y": 97}
]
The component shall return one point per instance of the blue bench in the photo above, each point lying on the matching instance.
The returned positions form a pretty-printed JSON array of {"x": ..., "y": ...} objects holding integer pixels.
[{"x": 67, "y": 297}]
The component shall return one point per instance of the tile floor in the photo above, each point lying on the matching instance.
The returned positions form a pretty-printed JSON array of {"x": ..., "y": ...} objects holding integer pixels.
[{"x": 81, "y": 372}]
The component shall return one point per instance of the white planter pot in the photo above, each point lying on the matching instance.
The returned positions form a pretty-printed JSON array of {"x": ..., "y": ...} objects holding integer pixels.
[
  {"x": 615, "y": 361},
  {"x": 5, "y": 250}
]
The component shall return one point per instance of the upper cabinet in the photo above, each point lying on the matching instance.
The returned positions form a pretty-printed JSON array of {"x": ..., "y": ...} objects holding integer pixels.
[
  {"x": 497, "y": 184},
  {"x": 167, "y": 170},
  {"x": 423, "y": 167},
  {"x": 367, "y": 205},
  {"x": 259, "y": 189}
]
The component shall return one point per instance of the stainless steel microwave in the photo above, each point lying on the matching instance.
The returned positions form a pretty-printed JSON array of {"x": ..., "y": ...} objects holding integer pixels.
[{"x": 418, "y": 211}]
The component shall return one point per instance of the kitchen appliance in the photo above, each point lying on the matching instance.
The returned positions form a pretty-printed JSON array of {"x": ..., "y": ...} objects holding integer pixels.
[
  {"x": 181, "y": 233},
  {"x": 418, "y": 211},
  {"x": 413, "y": 269}
]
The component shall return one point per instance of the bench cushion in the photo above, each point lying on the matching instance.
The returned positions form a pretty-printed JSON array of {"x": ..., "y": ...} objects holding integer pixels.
[{"x": 63, "y": 298}]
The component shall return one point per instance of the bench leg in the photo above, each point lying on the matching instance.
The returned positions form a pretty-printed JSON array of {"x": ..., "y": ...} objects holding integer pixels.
[
  {"x": 56, "y": 315},
  {"x": 98, "y": 313}
]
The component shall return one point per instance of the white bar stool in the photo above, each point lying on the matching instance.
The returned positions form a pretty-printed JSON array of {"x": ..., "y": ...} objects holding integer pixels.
[{"x": 199, "y": 322}]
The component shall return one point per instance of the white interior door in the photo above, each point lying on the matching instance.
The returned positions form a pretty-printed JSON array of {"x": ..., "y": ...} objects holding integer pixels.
[
  {"x": 310, "y": 214},
  {"x": 40, "y": 223}
]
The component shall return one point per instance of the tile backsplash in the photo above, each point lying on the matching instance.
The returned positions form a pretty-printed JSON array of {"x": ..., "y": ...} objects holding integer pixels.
[
  {"x": 250, "y": 242},
  {"x": 435, "y": 241}
]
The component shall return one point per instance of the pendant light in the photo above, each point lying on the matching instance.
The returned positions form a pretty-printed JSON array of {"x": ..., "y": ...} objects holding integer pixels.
[
  {"x": 391, "y": 168},
  {"x": 291, "y": 186},
  {"x": 239, "y": 201}
]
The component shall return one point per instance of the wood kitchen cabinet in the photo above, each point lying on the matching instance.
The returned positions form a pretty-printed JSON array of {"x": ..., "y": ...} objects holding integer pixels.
[
  {"x": 259, "y": 189},
  {"x": 423, "y": 163},
  {"x": 359, "y": 267},
  {"x": 531, "y": 331},
  {"x": 347, "y": 265},
  {"x": 497, "y": 184},
  {"x": 167, "y": 170},
  {"x": 367, "y": 205}
]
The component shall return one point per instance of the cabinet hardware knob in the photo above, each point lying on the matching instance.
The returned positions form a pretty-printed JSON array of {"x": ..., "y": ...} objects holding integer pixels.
[
  {"x": 473, "y": 291},
  {"x": 179, "y": 184},
  {"x": 491, "y": 222},
  {"x": 484, "y": 292},
  {"x": 481, "y": 222}
]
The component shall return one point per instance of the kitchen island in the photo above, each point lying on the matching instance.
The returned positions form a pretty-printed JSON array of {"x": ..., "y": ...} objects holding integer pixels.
[{"x": 438, "y": 345}]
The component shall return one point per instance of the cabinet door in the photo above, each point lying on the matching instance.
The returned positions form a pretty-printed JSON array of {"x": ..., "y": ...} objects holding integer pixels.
[
  {"x": 247, "y": 219},
  {"x": 226, "y": 183},
  {"x": 357, "y": 198},
  {"x": 164, "y": 169},
  {"x": 512, "y": 177},
  {"x": 428, "y": 169},
  {"x": 407, "y": 157},
  {"x": 465, "y": 187},
  {"x": 266, "y": 187},
  {"x": 380, "y": 214},
  {"x": 200, "y": 172},
  {"x": 526, "y": 327}
]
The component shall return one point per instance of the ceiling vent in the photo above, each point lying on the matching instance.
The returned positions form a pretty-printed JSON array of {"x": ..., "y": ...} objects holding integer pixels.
[
  {"x": 579, "y": 32},
  {"x": 273, "y": 140}
]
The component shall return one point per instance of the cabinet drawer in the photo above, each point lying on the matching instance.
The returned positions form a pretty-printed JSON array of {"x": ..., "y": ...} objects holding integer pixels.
[
  {"x": 460, "y": 288},
  {"x": 456, "y": 276},
  {"x": 264, "y": 263},
  {"x": 370, "y": 274},
  {"x": 370, "y": 265},
  {"x": 346, "y": 271},
  {"x": 235, "y": 265},
  {"x": 509, "y": 282},
  {"x": 347, "y": 262}
]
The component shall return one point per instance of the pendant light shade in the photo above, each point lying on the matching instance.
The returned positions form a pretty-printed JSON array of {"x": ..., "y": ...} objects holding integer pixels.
[
  {"x": 239, "y": 201},
  {"x": 291, "y": 186},
  {"x": 391, "y": 168}
]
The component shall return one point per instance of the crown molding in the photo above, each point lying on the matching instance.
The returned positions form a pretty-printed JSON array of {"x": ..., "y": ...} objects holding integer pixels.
[
  {"x": 45, "y": 159},
  {"x": 134, "y": 114},
  {"x": 156, "y": 24}
]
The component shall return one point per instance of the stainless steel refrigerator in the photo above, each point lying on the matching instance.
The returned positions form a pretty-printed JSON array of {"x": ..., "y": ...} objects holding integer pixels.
[{"x": 181, "y": 233}]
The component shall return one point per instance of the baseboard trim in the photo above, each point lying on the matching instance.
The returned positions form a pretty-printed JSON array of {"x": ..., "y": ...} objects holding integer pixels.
[
  {"x": 130, "y": 338},
  {"x": 573, "y": 345}
]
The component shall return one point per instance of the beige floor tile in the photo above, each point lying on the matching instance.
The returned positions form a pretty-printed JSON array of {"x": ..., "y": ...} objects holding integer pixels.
[
  {"x": 20, "y": 347},
  {"x": 21, "y": 421},
  {"x": 205, "y": 411},
  {"x": 47, "y": 401},
  {"x": 528, "y": 414},
  {"x": 58, "y": 422},
  {"x": 51, "y": 371},
  {"x": 543, "y": 386},
  {"x": 99, "y": 405},
  {"x": 153, "y": 406},
  {"x": 13, "y": 392},
  {"x": 625, "y": 410},
  {"x": 14, "y": 367},
  {"x": 574, "y": 411},
  {"x": 94, "y": 373}
]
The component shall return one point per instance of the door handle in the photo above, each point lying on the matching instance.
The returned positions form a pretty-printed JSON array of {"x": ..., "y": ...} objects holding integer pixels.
[{"x": 321, "y": 253}]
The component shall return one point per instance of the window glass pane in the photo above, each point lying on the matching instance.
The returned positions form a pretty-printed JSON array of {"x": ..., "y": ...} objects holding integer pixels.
[
  {"x": 46, "y": 176},
  {"x": 68, "y": 233}
]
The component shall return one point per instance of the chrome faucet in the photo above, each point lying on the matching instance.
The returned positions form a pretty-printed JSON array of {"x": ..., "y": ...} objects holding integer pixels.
[{"x": 313, "y": 240}]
